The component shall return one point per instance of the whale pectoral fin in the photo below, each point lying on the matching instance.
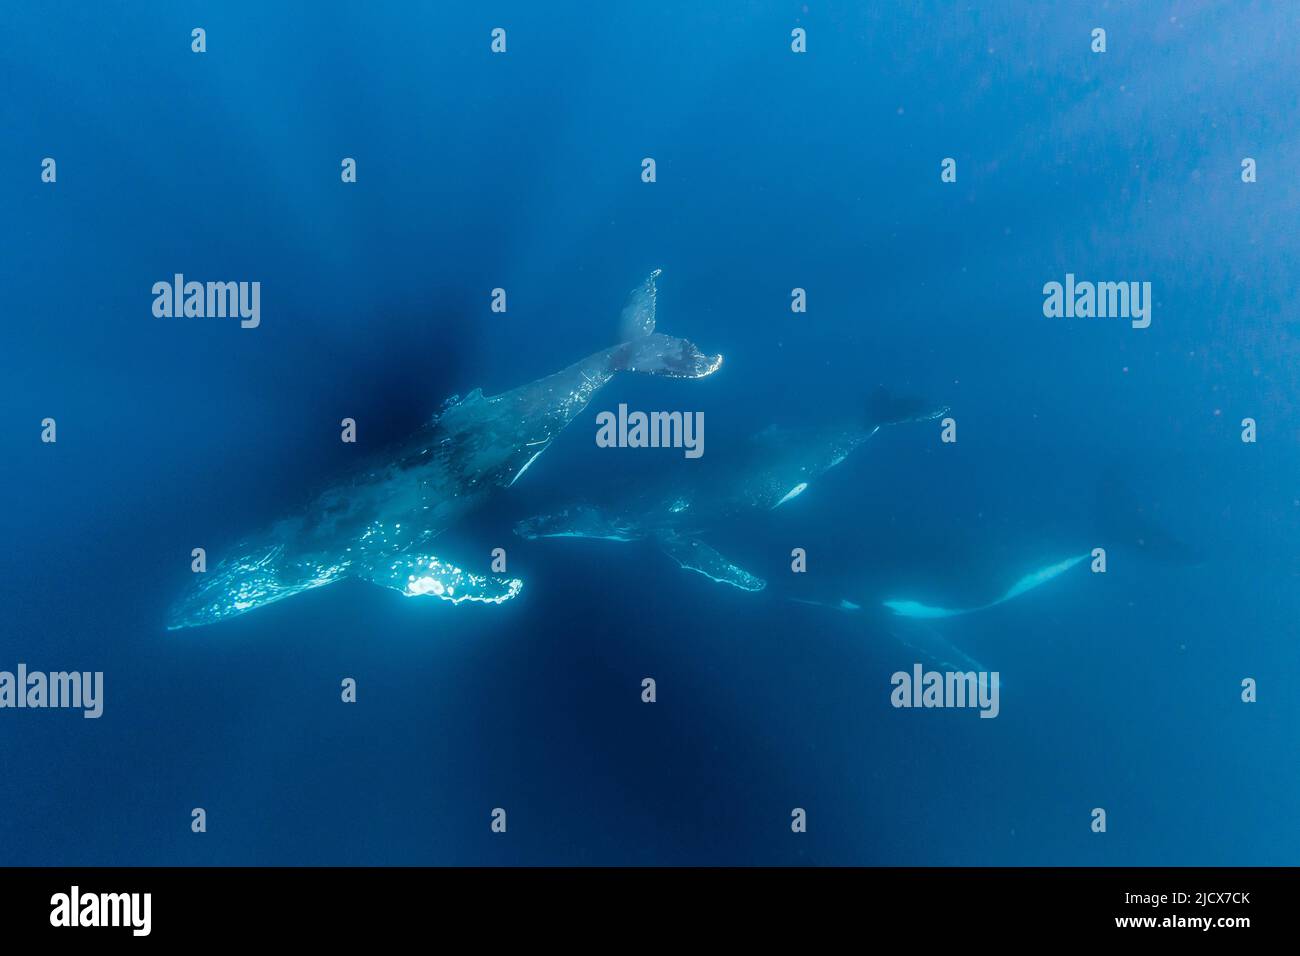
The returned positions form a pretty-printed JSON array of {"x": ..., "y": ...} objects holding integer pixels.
[
  {"x": 694, "y": 555},
  {"x": 939, "y": 649},
  {"x": 416, "y": 575},
  {"x": 1027, "y": 583}
]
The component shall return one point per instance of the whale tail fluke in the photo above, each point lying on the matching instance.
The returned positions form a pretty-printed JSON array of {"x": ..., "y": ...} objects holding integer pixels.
[
  {"x": 638, "y": 317},
  {"x": 645, "y": 350},
  {"x": 884, "y": 408},
  {"x": 659, "y": 354}
]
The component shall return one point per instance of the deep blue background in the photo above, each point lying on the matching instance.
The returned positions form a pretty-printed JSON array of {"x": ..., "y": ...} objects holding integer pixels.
[{"x": 774, "y": 171}]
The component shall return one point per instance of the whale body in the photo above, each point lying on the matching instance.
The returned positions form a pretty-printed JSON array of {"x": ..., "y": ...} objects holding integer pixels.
[
  {"x": 778, "y": 466},
  {"x": 378, "y": 521}
]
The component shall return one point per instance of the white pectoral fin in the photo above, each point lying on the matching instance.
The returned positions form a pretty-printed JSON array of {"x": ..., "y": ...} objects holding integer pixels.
[
  {"x": 694, "y": 555},
  {"x": 1027, "y": 583},
  {"x": 520, "y": 473},
  {"x": 794, "y": 492},
  {"x": 417, "y": 575},
  {"x": 1040, "y": 577},
  {"x": 917, "y": 609}
]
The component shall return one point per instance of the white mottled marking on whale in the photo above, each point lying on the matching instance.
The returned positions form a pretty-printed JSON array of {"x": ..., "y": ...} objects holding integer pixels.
[
  {"x": 794, "y": 492},
  {"x": 526, "y": 464}
]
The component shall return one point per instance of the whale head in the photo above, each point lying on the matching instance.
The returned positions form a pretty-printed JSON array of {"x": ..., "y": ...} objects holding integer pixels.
[{"x": 254, "y": 577}]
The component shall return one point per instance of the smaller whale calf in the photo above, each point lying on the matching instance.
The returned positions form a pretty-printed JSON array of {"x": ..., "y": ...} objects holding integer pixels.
[{"x": 778, "y": 465}]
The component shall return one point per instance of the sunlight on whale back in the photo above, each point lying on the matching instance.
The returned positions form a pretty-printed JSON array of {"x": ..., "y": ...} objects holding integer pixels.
[{"x": 1027, "y": 583}]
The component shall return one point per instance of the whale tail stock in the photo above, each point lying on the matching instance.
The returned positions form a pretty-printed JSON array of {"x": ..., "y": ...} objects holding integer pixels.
[{"x": 642, "y": 349}]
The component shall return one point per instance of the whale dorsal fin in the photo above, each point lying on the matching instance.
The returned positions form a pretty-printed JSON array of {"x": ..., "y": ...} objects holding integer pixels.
[
  {"x": 638, "y": 316},
  {"x": 455, "y": 403}
]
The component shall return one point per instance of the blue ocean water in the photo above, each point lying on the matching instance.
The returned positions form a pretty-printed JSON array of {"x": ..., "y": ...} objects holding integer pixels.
[{"x": 775, "y": 171}]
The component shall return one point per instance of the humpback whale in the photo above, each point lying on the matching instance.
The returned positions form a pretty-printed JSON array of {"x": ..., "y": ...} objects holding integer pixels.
[
  {"x": 778, "y": 465},
  {"x": 378, "y": 521},
  {"x": 1119, "y": 522},
  {"x": 920, "y": 636}
]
